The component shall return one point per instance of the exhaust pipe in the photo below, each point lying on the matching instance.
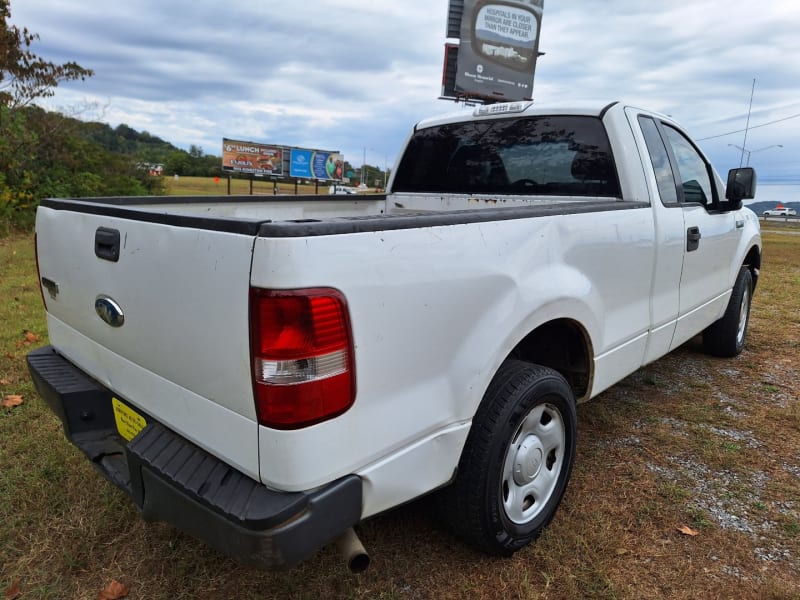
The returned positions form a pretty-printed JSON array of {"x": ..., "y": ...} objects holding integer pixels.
[{"x": 353, "y": 551}]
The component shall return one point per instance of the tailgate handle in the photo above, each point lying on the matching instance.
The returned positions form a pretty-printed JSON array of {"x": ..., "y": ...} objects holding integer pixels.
[{"x": 106, "y": 244}]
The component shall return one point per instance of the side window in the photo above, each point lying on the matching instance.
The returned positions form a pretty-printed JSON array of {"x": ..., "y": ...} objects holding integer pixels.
[
  {"x": 692, "y": 168},
  {"x": 660, "y": 159}
]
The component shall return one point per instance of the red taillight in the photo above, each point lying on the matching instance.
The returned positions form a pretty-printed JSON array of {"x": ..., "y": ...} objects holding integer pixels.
[{"x": 302, "y": 356}]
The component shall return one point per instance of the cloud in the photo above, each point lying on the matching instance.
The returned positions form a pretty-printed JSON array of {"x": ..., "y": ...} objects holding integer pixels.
[{"x": 353, "y": 75}]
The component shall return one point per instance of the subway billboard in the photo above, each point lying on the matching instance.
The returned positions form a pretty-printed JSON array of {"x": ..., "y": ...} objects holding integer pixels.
[{"x": 316, "y": 164}]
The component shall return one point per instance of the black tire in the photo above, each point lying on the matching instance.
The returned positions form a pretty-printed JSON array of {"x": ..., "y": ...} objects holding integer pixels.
[
  {"x": 495, "y": 503},
  {"x": 726, "y": 336}
]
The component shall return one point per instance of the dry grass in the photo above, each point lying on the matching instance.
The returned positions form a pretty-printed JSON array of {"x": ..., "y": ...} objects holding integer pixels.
[{"x": 689, "y": 440}]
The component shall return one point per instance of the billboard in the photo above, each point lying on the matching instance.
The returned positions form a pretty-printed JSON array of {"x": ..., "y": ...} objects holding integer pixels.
[
  {"x": 249, "y": 157},
  {"x": 498, "y": 48},
  {"x": 316, "y": 164}
]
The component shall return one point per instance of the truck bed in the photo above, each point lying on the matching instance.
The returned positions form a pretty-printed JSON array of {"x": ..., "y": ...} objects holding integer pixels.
[{"x": 291, "y": 216}]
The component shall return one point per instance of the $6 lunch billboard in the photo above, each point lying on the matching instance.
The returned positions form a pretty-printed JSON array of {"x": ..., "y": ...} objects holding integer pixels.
[{"x": 249, "y": 157}]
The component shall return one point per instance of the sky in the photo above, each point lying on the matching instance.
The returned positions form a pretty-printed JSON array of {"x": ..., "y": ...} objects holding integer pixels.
[{"x": 355, "y": 75}]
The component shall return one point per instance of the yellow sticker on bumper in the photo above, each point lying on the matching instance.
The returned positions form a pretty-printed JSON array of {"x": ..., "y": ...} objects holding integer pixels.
[{"x": 129, "y": 422}]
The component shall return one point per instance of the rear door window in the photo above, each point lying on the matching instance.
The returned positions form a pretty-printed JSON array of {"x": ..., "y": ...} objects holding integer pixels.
[{"x": 659, "y": 158}]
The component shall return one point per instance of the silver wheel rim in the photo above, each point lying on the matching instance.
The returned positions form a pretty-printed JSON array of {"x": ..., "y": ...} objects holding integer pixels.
[
  {"x": 743, "y": 312},
  {"x": 533, "y": 463}
]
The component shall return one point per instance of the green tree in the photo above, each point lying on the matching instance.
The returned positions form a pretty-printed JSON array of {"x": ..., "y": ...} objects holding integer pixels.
[
  {"x": 24, "y": 77},
  {"x": 70, "y": 163},
  {"x": 177, "y": 163},
  {"x": 196, "y": 152}
]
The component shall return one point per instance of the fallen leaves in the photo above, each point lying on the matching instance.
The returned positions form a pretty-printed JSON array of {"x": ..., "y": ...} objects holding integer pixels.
[
  {"x": 14, "y": 591},
  {"x": 12, "y": 400},
  {"x": 29, "y": 338},
  {"x": 113, "y": 591},
  {"x": 686, "y": 530}
]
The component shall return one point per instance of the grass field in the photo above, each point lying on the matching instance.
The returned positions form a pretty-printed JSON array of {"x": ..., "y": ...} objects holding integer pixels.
[{"x": 690, "y": 441}]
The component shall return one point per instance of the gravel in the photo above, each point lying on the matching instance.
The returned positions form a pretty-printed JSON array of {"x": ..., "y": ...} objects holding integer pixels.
[{"x": 727, "y": 497}]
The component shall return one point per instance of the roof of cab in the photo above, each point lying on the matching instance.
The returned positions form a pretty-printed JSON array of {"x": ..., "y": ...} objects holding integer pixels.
[{"x": 506, "y": 109}]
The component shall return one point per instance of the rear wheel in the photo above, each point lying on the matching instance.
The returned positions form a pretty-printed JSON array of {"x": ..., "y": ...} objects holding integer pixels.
[
  {"x": 516, "y": 462},
  {"x": 726, "y": 336}
]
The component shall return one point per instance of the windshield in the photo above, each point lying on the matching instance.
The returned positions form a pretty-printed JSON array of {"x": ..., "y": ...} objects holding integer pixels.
[{"x": 552, "y": 156}]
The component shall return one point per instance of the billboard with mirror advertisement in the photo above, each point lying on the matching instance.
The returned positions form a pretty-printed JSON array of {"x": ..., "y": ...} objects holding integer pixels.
[{"x": 498, "y": 48}]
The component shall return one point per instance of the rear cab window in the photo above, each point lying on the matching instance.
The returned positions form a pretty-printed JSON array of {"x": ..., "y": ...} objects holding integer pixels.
[{"x": 559, "y": 155}]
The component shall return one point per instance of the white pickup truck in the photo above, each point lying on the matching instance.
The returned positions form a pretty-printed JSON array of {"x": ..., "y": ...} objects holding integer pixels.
[{"x": 265, "y": 373}]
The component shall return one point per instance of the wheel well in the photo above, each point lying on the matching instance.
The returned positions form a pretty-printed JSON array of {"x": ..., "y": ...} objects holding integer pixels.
[
  {"x": 753, "y": 262},
  {"x": 564, "y": 346}
]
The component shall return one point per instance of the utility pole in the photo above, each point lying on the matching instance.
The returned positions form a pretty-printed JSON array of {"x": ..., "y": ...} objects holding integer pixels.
[{"x": 364, "y": 167}]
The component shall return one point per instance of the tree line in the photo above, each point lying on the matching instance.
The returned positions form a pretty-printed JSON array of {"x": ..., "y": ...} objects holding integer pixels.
[{"x": 48, "y": 154}]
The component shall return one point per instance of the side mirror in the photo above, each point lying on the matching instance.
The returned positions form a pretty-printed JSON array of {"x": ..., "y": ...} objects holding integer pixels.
[{"x": 741, "y": 186}]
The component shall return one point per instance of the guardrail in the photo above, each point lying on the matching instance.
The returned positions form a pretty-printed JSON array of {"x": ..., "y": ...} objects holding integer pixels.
[{"x": 784, "y": 218}]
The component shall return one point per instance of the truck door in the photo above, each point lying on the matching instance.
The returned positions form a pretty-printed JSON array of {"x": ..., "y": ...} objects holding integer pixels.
[
  {"x": 670, "y": 238},
  {"x": 694, "y": 241},
  {"x": 710, "y": 236}
]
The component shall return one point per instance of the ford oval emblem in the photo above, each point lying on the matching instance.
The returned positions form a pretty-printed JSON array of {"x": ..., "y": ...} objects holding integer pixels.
[{"x": 108, "y": 310}]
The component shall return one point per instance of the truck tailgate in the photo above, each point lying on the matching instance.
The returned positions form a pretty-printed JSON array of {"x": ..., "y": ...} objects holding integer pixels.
[{"x": 182, "y": 353}]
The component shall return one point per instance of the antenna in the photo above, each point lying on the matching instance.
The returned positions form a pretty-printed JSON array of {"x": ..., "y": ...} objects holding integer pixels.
[{"x": 747, "y": 126}]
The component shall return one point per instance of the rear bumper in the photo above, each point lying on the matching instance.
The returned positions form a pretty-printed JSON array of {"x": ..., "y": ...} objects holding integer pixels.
[{"x": 172, "y": 480}]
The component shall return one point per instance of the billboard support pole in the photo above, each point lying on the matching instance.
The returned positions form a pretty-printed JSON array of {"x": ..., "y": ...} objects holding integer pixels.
[
  {"x": 251, "y": 184},
  {"x": 229, "y": 185}
]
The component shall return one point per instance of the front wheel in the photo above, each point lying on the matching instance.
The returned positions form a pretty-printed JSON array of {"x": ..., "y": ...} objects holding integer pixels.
[
  {"x": 516, "y": 462},
  {"x": 726, "y": 336}
]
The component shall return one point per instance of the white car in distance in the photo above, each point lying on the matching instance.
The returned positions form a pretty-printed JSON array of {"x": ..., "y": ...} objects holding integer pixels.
[{"x": 780, "y": 212}]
